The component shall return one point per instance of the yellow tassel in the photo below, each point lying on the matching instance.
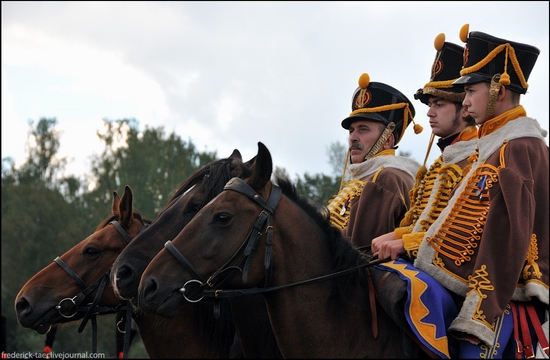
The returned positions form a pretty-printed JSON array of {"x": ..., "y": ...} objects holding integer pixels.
[
  {"x": 417, "y": 128},
  {"x": 504, "y": 79}
]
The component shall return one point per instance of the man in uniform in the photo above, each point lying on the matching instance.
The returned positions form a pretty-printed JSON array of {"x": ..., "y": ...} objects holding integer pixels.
[
  {"x": 400, "y": 286},
  {"x": 457, "y": 134},
  {"x": 490, "y": 245},
  {"x": 376, "y": 198}
]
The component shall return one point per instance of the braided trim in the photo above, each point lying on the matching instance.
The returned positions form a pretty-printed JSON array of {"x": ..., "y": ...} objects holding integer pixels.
[
  {"x": 532, "y": 257},
  {"x": 458, "y": 236},
  {"x": 339, "y": 207},
  {"x": 420, "y": 193},
  {"x": 446, "y": 84},
  {"x": 448, "y": 178},
  {"x": 406, "y": 114},
  {"x": 376, "y": 174},
  {"x": 480, "y": 283}
]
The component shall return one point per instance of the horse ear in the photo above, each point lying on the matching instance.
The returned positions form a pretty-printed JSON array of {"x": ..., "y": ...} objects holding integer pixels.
[
  {"x": 236, "y": 155},
  {"x": 263, "y": 167},
  {"x": 127, "y": 207},
  {"x": 250, "y": 162},
  {"x": 116, "y": 203}
]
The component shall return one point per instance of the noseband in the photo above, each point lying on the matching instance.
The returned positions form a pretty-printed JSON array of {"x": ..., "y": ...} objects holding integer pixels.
[
  {"x": 248, "y": 247},
  {"x": 72, "y": 304}
]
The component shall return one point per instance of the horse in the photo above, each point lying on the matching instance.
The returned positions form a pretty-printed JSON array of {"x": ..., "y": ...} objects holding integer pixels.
[
  {"x": 56, "y": 294},
  {"x": 254, "y": 333},
  {"x": 314, "y": 281}
]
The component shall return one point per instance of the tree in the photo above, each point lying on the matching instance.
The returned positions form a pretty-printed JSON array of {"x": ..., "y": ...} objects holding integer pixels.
[
  {"x": 150, "y": 162},
  {"x": 38, "y": 224},
  {"x": 42, "y": 163}
]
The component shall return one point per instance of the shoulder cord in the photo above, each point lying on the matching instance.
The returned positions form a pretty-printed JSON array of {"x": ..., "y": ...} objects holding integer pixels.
[{"x": 381, "y": 140}]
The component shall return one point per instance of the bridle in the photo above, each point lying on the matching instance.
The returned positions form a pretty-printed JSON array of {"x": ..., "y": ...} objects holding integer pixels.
[
  {"x": 211, "y": 286},
  {"x": 69, "y": 307}
]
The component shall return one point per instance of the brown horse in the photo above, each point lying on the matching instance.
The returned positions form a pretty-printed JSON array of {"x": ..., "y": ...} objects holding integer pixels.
[
  {"x": 313, "y": 312},
  {"x": 255, "y": 335},
  {"x": 59, "y": 293}
]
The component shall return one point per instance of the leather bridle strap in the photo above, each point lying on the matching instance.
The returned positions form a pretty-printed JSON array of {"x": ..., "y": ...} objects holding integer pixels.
[
  {"x": 186, "y": 264},
  {"x": 123, "y": 232},
  {"x": 250, "y": 243},
  {"x": 70, "y": 271},
  {"x": 92, "y": 310},
  {"x": 238, "y": 185}
]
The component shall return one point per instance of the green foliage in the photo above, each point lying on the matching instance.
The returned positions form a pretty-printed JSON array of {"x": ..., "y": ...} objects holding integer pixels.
[
  {"x": 150, "y": 162},
  {"x": 319, "y": 187}
]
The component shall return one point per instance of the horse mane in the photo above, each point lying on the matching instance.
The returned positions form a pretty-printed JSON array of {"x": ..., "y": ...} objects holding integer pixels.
[
  {"x": 217, "y": 172},
  {"x": 345, "y": 255}
]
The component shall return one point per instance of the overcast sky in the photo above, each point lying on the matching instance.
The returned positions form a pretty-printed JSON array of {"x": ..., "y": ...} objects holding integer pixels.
[{"x": 226, "y": 75}]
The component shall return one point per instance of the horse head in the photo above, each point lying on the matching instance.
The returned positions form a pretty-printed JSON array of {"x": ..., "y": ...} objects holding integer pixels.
[
  {"x": 189, "y": 197},
  {"x": 65, "y": 290}
]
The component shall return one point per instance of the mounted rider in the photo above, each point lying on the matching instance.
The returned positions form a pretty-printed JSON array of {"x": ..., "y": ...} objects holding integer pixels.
[{"x": 375, "y": 199}]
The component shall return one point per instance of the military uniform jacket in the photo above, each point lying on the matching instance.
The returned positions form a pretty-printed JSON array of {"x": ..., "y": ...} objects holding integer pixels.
[
  {"x": 384, "y": 199},
  {"x": 433, "y": 190},
  {"x": 491, "y": 243}
]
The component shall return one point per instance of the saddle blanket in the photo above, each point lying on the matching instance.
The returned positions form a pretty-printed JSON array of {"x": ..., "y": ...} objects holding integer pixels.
[{"x": 430, "y": 309}]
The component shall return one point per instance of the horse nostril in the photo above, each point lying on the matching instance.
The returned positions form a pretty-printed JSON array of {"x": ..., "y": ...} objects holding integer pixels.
[
  {"x": 22, "y": 307},
  {"x": 125, "y": 282},
  {"x": 124, "y": 272},
  {"x": 147, "y": 294}
]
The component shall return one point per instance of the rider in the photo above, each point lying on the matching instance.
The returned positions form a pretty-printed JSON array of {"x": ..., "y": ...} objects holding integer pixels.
[
  {"x": 376, "y": 198},
  {"x": 457, "y": 134},
  {"x": 491, "y": 244}
]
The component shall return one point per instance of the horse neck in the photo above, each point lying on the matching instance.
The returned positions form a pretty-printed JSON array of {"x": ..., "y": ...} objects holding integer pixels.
[{"x": 302, "y": 318}]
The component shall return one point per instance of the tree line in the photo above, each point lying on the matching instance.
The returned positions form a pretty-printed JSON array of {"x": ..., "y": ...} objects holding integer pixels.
[{"x": 45, "y": 213}]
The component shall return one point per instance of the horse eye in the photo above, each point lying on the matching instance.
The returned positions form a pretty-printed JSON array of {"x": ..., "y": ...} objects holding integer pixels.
[
  {"x": 222, "y": 218},
  {"x": 91, "y": 252}
]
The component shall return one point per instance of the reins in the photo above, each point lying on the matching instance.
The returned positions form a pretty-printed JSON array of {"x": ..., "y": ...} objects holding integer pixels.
[
  {"x": 69, "y": 307},
  {"x": 261, "y": 226},
  {"x": 239, "y": 292}
]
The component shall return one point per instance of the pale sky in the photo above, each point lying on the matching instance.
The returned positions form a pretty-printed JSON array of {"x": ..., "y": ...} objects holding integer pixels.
[{"x": 229, "y": 74}]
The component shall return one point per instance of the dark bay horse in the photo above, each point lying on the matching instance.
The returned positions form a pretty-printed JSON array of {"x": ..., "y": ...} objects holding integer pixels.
[
  {"x": 256, "y": 233},
  {"x": 57, "y": 293},
  {"x": 256, "y": 337}
]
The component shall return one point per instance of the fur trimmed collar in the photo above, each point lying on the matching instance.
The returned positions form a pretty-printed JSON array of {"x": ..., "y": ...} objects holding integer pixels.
[{"x": 370, "y": 166}]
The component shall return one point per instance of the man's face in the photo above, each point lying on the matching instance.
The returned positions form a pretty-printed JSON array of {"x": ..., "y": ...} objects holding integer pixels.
[
  {"x": 362, "y": 136},
  {"x": 444, "y": 119},
  {"x": 476, "y": 100}
]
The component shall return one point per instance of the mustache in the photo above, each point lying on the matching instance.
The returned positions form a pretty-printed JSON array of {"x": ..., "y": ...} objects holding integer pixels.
[{"x": 356, "y": 145}]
